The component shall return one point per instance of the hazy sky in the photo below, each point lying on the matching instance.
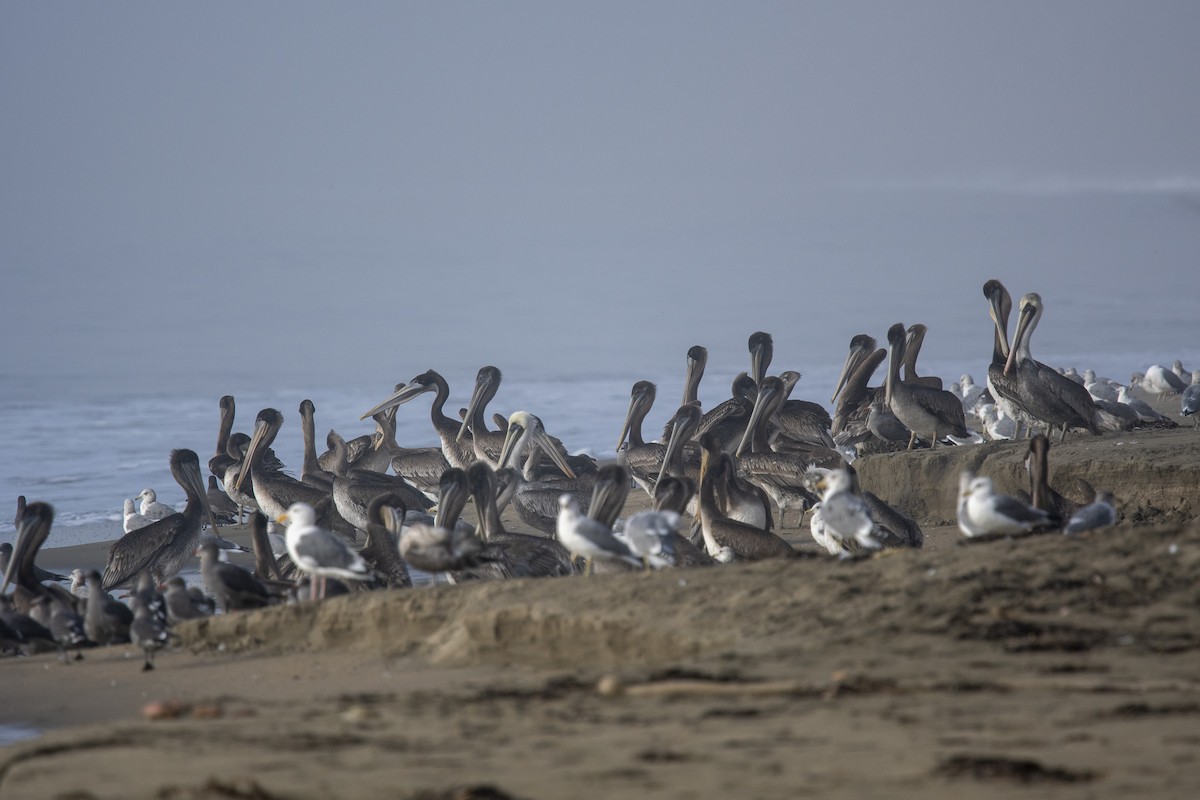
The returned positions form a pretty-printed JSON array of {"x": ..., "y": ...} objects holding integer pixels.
[{"x": 315, "y": 192}]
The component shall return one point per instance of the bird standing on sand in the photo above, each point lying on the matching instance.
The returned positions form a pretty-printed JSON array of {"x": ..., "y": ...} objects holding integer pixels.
[
  {"x": 151, "y": 508},
  {"x": 1190, "y": 401},
  {"x": 148, "y": 632},
  {"x": 989, "y": 513},
  {"x": 1100, "y": 513},
  {"x": 845, "y": 514},
  {"x": 318, "y": 552},
  {"x": 585, "y": 537},
  {"x": 235, "y": 588}
]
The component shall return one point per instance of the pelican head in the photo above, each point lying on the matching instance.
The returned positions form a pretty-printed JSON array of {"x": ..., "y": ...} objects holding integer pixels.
[
  {"x": 762, "y": 348},
  {"x": 641, "y": 398},
  {"x": 487, "y": 383},
  {"x": 525, "y": 431},
  {"x": 425, "y": 382},
  {"x": 1027, "y": 320},
  {"x": 266, "y": 426},
  {"x": 861, "y": 346}
]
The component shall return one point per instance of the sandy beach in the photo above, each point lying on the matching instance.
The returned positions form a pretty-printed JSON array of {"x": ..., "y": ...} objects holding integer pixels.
[{"x": 1061, "y": 666}]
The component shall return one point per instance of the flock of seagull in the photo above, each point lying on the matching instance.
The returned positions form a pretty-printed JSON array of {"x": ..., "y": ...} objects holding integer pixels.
[{"x": 370, "y": 513}]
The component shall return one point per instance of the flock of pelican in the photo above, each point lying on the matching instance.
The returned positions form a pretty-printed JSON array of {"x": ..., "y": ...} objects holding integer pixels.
[{"x": 370, "y": 513}]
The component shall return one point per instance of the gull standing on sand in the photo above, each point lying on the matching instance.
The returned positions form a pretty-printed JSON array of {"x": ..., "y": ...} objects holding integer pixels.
[
  {"x": 989, "y": 513},
  {"x": 235, "y": 588},
  {"x": 846, "y": 516},
  {"x": 583, "y": 536},
  {"x": 318, "y": 552},
  {"x": 151, "y": 508},
  {"x": 1190, "y": 402},
  {"x": 1158, "y": 380},
  {"x": 1101, "y": 513}
]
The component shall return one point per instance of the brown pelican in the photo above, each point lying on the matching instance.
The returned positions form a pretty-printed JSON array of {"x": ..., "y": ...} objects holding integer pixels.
[
  {"x": 274, "y": 491},
  {"x": 381, "y": 551},
  {"x": 517, "y": 554},
  {"x": 989, "y": 513},
  {"x": 1055, "y": 400},
  {"x": 912, "y": 348},
  {"x": 536, "y": 498},
  {"x": 930, "y": 413},
  {"x": 221, "y": 460},
  {"x": 762, "y": 348},
  {"x": 354, "y": 489},
  {"x": 235, "y": 588},
  {"x": 683, "y": 426},
  {"x": 106, "y": 621},
  {"x": 485, "y": 443},
  {"x": 730, "y": 417},
  {"x": 609, "y": 494},
  {"x": 644, "y": 459},
  {"x": 852, "y": 395},
  {"x": 457, "y": 453},
  {"x": 1040, "y": 492},
  {"x": 317, "y": 551},
  {"x": 800, "y": 420},
  {"x": 724, "y": 536},
  {"x": 697, "y": 359},
  {"x": 311, "y": 472},
  {"x": 32, "y": 529},
  {"x": 165, "y": 546},
  {"x": 244, "y": 495}
]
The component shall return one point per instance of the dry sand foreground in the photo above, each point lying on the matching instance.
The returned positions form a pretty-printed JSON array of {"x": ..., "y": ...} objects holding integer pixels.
[{"x": 1046, "y": 666}]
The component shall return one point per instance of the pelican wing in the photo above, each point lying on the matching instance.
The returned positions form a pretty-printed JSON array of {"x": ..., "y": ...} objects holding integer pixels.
[{"x": 135, "y": 551}]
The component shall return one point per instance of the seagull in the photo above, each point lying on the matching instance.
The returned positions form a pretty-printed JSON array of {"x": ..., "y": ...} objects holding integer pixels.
[
  {"x": 133, "y": 519},
  {"x": 990, "y": 513},
  {"x": 147, "y": 632},
  {"x": 184, "y": 605},
  {"x": 1190, "y": 402},
  {"x": 845, "y": 514},
  {"x": 1144, "y": 410},
  {"x": 318, "y": 552},
  {"x": 585, "y": 537},
  {"x": 1101, "y": 513},
  {"x": 151, "y": 508}
]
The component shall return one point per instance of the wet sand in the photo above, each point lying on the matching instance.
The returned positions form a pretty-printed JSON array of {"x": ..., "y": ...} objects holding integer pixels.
[{"x": 1049, "y": 665}]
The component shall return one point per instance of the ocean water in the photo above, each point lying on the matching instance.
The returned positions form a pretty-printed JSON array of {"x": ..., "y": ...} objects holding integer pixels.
[
  {"x": 88, "y": 417},
  {"x": 86, "y": 456}
]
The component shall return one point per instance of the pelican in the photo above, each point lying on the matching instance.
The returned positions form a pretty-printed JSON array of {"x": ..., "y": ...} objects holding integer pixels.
[
  {"x": 382, "y": 550},
  {"x": 32, "y": 529},
  {"x": 852, "y": 395},
  {"x": 586, "y": 538},
  {"x": 928, "y": 412},
  {"x": 697, "y": 359},
  {"x": 1042, "y": 495},
  {"x": 1100, "y": 513},
  {"x": 105, "y": 621},
  {"x": 354, "y": 489},
  {"x": 274, "y": 490},
  {"x": 990, "y": 513},
  {"x": 221, "y": 459},
  {"x": 644, "y": 459},
  {"x": 457, "y": 454},
  {"x": 165, "y": 546},
  {"x": 151, "y": 508},
  {"x": 915, "y": 337},
  {"x": 311, "y": 472},
  {"x": 1190, "y": 401},
  {"x": 486, "y": 444},
  {"x": 609, "y": 494},
  {"x": 317, "y": 551},
  {"x": 518, "y": 554},
  {"x": 762, "y": 348},
  {"x": 1003, "y": 386},
  {"x": 235, "y": 588},
  {"x": 800, "y": 420},
  {"x": 244, "y": 496},
  {"x": 683, "y": 426},
  {"x": 729, "y": 418},
  {"x": 722, "y": 534},
  {"x": 536, "y": 498},
  {"x": 1048, "y": 396}
]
